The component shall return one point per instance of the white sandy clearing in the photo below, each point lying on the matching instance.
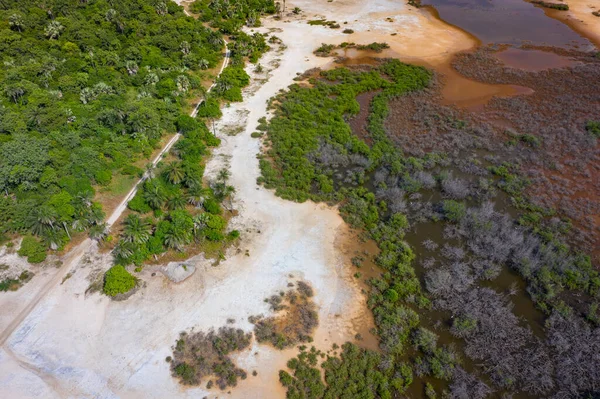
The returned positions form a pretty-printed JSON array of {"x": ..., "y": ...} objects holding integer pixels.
[{"x": 71, "y": 345}]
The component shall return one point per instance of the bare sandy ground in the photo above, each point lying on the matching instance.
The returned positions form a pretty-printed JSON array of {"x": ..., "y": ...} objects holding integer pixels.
[
  {"x": 580, "y": 18},
  {"x": 73, "y": 345}
]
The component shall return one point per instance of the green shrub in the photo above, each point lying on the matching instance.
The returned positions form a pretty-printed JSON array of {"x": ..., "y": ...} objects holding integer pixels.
[
  {"x": 9, "y": 284},
  {"x": 391, "y": 295},
  {"x": 103, "y": 177},
  {"x": 186, "y": 372},
  {"x": 593, "y": 127},
  {"x": 118, "y": 280},
  {"x": 212, "y": 206},
  {"x": 210, "y": 109},
  {"x": 132, "y": 170},
  {"x": 138, "y": 204},
  {"x": 454, "y": 211},
  {"x": 32, "y": 249}
]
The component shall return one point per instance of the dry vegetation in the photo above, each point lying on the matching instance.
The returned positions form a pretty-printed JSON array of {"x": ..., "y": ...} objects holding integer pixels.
[
  {"x": 199, "y": 355},
  {"x": 549, "y": 143},
  {"x": 295, "y": 320}
]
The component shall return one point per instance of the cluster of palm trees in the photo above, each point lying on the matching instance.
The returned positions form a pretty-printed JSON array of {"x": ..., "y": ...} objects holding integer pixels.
[
  {"x": 156, "y": 196},
  {"x": 46, "y": 222},
  {"x": 223, "y": 191}
]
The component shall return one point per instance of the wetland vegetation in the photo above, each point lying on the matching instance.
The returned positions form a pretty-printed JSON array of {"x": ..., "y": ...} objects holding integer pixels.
[{"x": 438, "y": 313}]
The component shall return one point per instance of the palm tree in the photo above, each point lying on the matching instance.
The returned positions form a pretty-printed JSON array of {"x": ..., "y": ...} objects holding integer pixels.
[
  {"x": 43, "y": 219},
  {"x": 161, "y": 9},
  {"x": 183, "y": 83},
  {"x": 223, "y": 175},
  {"x": 53, "y": 30},
  {"x": 53, "y": 238},
  {"x": 123, "y": 250},
  {"x": 200, "y": 222},
  {"x": 155, "y": 197},
  {"x": 137, "y": 230},
  {"x": 150, "y": 170},
  {"x": 174, "y": 240},
  {"x": 185, "y": 47},
  {"x": 14, "y": 92},
  {"x": 16, "y": 22},
  {"x": 197, "y": 195},
  {"x": 203, "y": 63},
  {"x": 174, "y": 172},
  {"x": 98, "y": 232},
  {"x": 191, "y": 181},
  {"x": 176, "y": 202},
  {"x": 132, "y": 67},
  {"x": 228, "y": 193}
]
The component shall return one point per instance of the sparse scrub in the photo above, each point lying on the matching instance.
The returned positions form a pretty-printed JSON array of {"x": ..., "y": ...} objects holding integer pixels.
[
  {"x": 554, "y": 6},
  {"x": 295, "y": 325},
  {"x": 198, "y": 355}
]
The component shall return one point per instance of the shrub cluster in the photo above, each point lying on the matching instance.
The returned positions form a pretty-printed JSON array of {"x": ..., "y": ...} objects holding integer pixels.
[{"x": 199, "y": 355}]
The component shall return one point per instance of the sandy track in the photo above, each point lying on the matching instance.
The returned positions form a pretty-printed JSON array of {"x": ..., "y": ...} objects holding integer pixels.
[{"x": 73, "y": 345}]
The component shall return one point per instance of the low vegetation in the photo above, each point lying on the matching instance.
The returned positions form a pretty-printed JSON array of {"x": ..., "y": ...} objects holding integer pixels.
[
  {"x": 314, "y": 154},
  {"x": 199, "y": 355},
  {"x": 554, "y": 6},
  {"x": 326, "y": 49},
  {"x": 323, "y": 22},
  {"x": 118, "y": 280},
  {"x": 355, "y": 373},
  {"x": 13, "y": 284},
  {"x": 295, "y": 319}
]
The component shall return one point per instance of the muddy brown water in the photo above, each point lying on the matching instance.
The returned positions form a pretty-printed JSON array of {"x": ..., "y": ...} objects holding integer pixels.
[
  {"x": 514, "y": 22},
  {"x": 457, "y": 89},
  {"x": 533, "y": 60}
]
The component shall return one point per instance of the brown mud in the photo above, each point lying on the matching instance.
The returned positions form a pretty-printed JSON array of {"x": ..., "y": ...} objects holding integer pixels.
[{"x": 533, "y": 60}]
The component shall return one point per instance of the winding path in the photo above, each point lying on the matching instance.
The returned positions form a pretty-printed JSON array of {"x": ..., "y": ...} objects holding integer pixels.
[{"x": 75, "y": 255}]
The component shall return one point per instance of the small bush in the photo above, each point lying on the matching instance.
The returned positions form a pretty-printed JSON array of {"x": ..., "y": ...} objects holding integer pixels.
[
  {"x": 209, "y": 109},
  {"x": 118, "y": 280},
  {"x": 9, "y": 284},
  {"x": 132, "y": 170},
  {"x": 593, "y": 127},
  {"x": 138, "y": 204},
  {"x": 103, "y": 177},
  {"x": 377, "y": 47},
  {"x": 212, "y": 206},
  {"x": 348, "y": 31},
  {"x": 32, "y": 249},
  {"x": 454, "y": 211}
]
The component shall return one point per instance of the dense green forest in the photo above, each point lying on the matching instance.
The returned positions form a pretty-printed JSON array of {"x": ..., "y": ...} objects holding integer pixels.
[
  {"x": 448, "y": 326},
  {"x": 87, "y": 88}
]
